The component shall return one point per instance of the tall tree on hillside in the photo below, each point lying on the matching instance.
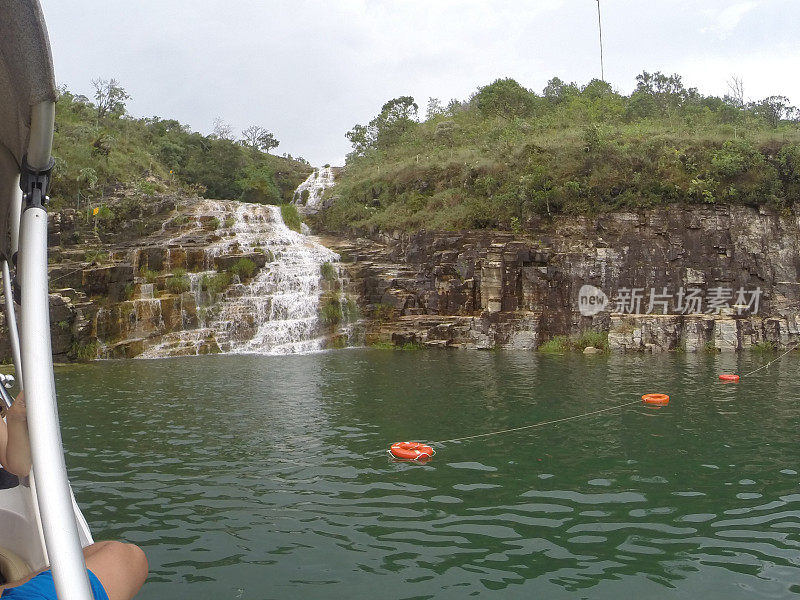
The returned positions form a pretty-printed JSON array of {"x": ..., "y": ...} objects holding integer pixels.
[
  {"x": 222, "y": 130},
  {"x": 110, "y": 97},
  {"x": 434, "y": 108},
  {"x": 658, "y": 95},
  {"x": 396, "y": 117},
  {"x": 773, "y": 109},
  {"x": 505, "y": 98},
  {"x": 736, "y": 89},
  {"x": 259, "y": 138},
  {"x": 557, "y": 91}
]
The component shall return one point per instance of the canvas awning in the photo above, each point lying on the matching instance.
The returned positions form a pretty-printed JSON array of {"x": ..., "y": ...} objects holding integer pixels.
[{"x": 27, "y": 83}]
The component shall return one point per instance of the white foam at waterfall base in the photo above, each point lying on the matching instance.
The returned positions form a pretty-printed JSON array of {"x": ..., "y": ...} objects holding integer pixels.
[{"x": 315, "y": 185}]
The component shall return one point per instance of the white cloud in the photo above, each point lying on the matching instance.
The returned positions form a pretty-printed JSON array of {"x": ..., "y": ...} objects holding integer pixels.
[{"x": 725, "y": 21}]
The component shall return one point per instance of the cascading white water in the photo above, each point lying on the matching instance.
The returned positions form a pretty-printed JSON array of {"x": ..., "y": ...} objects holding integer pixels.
[
  {"x": 275, "y": 312},
  {"x": 315, "y": 186}
]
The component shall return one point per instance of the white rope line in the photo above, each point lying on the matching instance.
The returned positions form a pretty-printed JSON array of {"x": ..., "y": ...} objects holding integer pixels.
[
  {"x": 594, "y": 412},
  {"x": 772, "y": 361},
  {"x": 60, "y": 277}
]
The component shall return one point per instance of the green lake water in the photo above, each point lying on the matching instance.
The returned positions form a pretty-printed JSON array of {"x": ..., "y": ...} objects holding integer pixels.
[{"x": 266, "y": 477}]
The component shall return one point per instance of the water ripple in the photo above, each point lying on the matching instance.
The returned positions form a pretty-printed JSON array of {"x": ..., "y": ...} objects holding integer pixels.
[{"x": 286, "y": 492}]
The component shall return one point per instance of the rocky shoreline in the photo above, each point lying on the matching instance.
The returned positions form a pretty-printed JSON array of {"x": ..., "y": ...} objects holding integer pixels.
[{"x": 113, "y": 296}]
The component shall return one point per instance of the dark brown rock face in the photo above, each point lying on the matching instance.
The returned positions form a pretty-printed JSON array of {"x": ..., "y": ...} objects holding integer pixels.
[{"x": 688, "y": 277}]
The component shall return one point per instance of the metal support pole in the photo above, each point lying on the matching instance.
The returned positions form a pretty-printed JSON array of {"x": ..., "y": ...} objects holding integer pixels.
[
  {"x": 600, "y": 28},
  {"x": 53, "y": 493},
  {"x": 11, "y": 321}
]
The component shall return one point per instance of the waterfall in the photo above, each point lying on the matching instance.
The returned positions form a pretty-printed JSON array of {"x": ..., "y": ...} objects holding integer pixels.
[
  {"x": 274, "y": 310},
  {"x": 277, "y": 312},
  {"x": 308, "y": 195}
]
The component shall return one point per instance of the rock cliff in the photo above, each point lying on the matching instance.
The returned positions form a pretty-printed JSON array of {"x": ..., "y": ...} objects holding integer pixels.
[{"x": 678, "y": 278}]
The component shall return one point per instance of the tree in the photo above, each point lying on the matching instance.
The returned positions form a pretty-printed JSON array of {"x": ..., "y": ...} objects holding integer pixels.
[
  {"x": 597, "y": 88},
  {"x": 557, "y": 91},
  {"x": 505, "y": 98},
  {"x": 396, "y": 117},
  {"x": 110, "y": 97},
  {"x": 259, "y": 138},
  {"x": 736, "y": 96},
  {"x": 222, "y": 130},
  {"x": 258, "y": 185},
  {"x": 657, "y": 94},
  {"x": 772, "y": 109},
  {"x": 434, "y": 108},
  {"x": 398, "y": 109},
  {"x": 361, "y": 138},
  {"x": 454, "y": 106}
]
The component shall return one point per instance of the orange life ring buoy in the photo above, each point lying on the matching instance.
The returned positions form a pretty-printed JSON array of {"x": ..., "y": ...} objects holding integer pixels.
[
  {"x": 729, "y": 377},
  {"x": 656, "y": 399},
  {"x": 411, "y": 451}
]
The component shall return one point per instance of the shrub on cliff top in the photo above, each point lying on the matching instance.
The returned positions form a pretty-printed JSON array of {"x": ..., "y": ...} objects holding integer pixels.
[{"x": 509, "y": 158}]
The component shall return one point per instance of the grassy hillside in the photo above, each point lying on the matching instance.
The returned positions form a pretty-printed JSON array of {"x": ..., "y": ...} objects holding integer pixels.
[
  {"x": 99, "y": 149},
  {"x": 508, "y": 155}
]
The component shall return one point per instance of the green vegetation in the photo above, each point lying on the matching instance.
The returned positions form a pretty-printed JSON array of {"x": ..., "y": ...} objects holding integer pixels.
[
  {"x": 229, "y": 221},
  {"x": 508, "y": 156},
  {"x": 328, "y": 271},
  {"x": 338, "y": 342},
  {"x": 561, "y": 344},
  {"x": 764, "y": 347},
  {"x": 390, "y": 346},
  {"x": 556, "y": 345},
  {"x": 333, "y": 311},
  {"x": 596, "y": 339},
  {"x": 383, "y": 312},
  {"x": 85, "y": 352},
  {"x": 291, "y": 217},
  {"x": 330, "y": 309},
  {"x": 178, "y": 283},
  {"x": 244, "y": 268},
  {"x": 99, "y": 149},
  {"x": 97, "y": 256},
  {"x": 216, "y": 283},
  {"x": 149, "y": 276}
]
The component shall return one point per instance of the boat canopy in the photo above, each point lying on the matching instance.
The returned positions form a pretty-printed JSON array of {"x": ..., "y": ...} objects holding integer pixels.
[{"x": 27, "y": 89}]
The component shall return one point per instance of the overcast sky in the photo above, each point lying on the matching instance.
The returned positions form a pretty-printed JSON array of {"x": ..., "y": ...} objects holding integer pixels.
[{"x": 308, "y": 70}]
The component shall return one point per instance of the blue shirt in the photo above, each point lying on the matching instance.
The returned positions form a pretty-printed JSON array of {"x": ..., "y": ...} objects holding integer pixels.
[{"x": 42, "y": 587}]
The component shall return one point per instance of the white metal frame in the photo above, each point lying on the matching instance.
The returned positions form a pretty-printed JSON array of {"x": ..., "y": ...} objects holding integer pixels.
[{"x": 52, "y": 490}]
